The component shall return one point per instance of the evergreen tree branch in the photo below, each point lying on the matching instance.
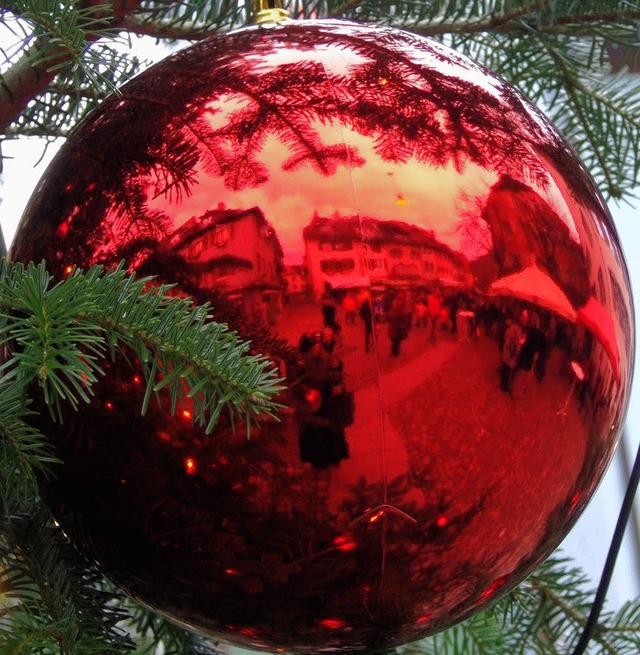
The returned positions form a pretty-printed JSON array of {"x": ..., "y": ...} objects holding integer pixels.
[
  {"x": 57, "y": 335},
  {"x": 34, "y": 101},
  {"x": 573, "y": 86},
  {"x": 60, "y": 333},
  {"x": 24, "y": 452},
  {"x": 60, "y": 38},
  {"x": 522, "y": 20},
  {"x": 542, "y": 615},
  {"x": 56, "y": 602}
]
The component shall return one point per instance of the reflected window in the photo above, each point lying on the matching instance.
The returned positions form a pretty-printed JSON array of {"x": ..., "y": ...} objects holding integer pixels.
[
  {"x": 332, "y": 266},
  {"x": 222, "y": 235}
]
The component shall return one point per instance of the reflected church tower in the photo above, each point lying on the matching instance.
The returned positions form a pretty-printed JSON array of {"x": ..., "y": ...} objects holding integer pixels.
[{"x": 526, "y": 231}]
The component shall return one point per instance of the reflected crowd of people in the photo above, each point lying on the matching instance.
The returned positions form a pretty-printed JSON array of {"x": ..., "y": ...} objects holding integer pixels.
[{"x": 404, "y": 323}]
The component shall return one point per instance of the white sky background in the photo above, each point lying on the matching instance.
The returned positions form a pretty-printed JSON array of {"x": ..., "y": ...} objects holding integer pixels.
[{"x": 587, "y": 544}]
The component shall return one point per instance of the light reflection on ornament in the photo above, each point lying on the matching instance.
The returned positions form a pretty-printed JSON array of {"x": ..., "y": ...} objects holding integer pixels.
[
  {"x": 457, "y": 365},
  {"x": 332, "y": 624}
]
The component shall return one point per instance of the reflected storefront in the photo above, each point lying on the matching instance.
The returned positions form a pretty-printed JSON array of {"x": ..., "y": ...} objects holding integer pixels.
[{"x": 436, "y": 279}]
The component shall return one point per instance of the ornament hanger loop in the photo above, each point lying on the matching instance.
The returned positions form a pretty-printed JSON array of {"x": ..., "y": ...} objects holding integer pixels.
[{"x": 268, "y": 12}]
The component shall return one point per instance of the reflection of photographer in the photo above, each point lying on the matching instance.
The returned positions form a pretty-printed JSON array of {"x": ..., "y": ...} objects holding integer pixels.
[
  {"x": 398, "y": 323},
  {"x": 327, "y": 407}
]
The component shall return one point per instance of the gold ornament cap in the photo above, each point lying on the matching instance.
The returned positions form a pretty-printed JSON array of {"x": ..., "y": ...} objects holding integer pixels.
[{"x": 268, "y": 12}]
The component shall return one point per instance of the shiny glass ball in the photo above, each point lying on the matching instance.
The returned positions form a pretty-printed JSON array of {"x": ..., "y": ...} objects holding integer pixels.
[{"x": 434, "y": 273}]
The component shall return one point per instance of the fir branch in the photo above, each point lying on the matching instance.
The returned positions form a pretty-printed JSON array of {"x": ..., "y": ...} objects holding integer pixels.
[
  {"x": 573, "y": 87},
  {"x": 541, "y": 615},
  {"x": 59, "y": 333},
  {"x": 514, "y": 18},
  {"x": 56, "y": 603},
  {"x": 495, "y": 33},
  {"x": 25, "y": 453}
]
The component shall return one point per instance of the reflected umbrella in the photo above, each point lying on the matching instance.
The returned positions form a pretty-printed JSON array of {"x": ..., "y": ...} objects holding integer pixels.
[
  {"x": 598, "y": 320},
  {"x": 535, "y": 286}
]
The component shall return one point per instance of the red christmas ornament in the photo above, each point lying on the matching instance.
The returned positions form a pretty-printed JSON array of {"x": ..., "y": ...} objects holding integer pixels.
[{"x": 437, "y": 277}]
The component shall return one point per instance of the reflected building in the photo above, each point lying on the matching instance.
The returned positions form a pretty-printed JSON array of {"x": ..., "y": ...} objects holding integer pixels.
[
  {"x": 237, "y": 252},
  {"x": 295, "y": 278},
  {"x": 526, "y": 231},
  {"x": 351, "y": 252},
  {"x": 610, "y": 330}
]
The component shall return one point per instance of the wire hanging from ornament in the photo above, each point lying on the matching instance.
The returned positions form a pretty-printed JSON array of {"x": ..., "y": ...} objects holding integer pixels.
[{"x": 624, "y": 515}]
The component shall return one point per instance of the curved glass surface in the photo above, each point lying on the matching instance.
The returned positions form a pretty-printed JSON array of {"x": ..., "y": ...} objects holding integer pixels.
[{"x": 435, "y": 276}]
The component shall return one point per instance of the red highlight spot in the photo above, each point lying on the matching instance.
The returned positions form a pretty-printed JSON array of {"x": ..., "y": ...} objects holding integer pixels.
[
  {"x": 345, "y": 544},
  {"x": 137, "y": 379},
  {"x": 375, "y": 517},
  {"x": 186, "y": 414},
  {"x": 108, "y": 405},
  {"x": 423, "y": 618},
  {"x": 441, "y": 521},
  {"x": 332, "y": 624},
  {"x": 63, "y": 229},
  {"x": 575, "y": 499},
  {"x": 492, "y": 588},
  {"x": 231, "y": 572},
  {"x": 312, "y": 396},
  {"x": 68, "y": 269},
  {"x": 190, "y": 465}
]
